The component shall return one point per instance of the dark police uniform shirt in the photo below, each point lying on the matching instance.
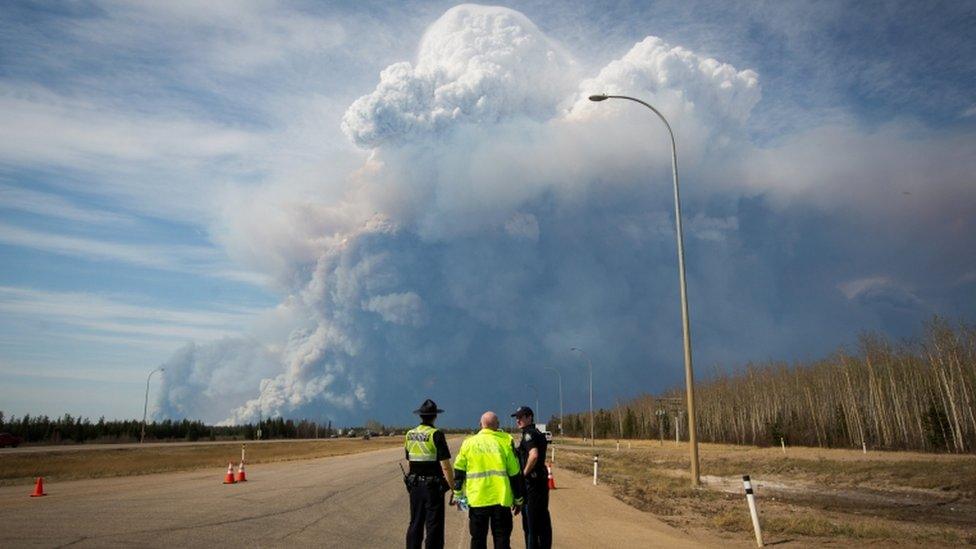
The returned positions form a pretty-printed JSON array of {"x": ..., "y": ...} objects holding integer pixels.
[
  {"x": 533, "y": 438},
  {"x": 432, "y": 468}
]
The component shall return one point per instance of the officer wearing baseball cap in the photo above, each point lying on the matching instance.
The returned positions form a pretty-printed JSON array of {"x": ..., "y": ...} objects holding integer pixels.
[
  {"x": 531, "y": 452},
  {"x": 430, "y": 477}
]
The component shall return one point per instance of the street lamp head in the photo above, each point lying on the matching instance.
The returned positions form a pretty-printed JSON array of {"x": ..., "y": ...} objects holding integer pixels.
[{"x": 598, "y": 97}]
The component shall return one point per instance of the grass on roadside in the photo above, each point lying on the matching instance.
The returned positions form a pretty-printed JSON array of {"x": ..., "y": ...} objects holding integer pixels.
[
  {"x": 830, "y": 467},
  {"x": 22, "y": 468},
  {"x": 646, "y": 479}
]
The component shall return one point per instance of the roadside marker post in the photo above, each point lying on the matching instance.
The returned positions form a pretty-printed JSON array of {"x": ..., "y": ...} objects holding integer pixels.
[
  {"x": 752, "y": 509},
  {"x": 782, "y": 443},
  {"x": 596, "y": 468}
]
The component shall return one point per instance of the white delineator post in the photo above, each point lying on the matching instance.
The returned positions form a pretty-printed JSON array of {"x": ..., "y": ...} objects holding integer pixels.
[
  {"x": 752, "y": 509},
  {"x": 596, "y": 468},
  {"x": 782, "y": 442},
  {"x": 242, "y": 452}
]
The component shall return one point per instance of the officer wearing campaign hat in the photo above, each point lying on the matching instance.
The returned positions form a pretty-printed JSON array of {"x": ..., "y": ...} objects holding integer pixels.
[
  {"x": 531, "y": 452},
  {"x": 430, "y": 477}
]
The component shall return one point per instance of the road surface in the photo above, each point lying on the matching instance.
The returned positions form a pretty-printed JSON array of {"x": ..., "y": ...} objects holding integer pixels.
[
  {"x": 344, "y": 501},
  {"x": 94, "y": 446}
]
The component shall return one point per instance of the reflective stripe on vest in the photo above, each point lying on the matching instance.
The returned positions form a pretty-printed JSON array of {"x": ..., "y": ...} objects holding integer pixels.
[
  {"x": 483, "y": 474},
  {"x": 420, "y": 443}
]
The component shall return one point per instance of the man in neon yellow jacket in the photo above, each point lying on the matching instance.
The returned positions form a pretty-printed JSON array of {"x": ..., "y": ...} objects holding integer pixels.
[{"x": 488, "y": 476}]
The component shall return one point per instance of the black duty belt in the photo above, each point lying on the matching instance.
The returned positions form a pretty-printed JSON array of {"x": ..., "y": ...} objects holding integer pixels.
[{"x": 425, "y": 479}]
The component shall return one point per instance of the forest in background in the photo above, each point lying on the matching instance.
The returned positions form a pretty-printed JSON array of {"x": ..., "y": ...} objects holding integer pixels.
[
  {"x": 891, "y": 396},
  {"x": 66, "y": 429}
]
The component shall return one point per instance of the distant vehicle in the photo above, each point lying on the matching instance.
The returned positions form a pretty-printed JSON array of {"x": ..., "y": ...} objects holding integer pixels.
[
  {"x": 333, "y": 435},
  {"x": 366, "y": 435},
  {"x": 6, "y": 439},
  {"x": 545, "y": 431},
  {"x": 351, "y": 434}
]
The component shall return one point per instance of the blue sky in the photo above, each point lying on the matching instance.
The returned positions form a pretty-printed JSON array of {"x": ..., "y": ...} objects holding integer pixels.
[{"x": 271, "y": 199}]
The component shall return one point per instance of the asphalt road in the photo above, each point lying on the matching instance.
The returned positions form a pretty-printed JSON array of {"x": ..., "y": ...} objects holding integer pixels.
[
  {"x": 345, "y": 501},
  {"x": 39, "y": 449}
]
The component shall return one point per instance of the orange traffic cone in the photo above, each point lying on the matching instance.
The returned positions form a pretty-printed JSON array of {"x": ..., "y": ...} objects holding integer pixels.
[
  {"x": 241, "y": 477},
  {"x": 39, "y": 488},
  {"x": 552, "y": 481},
  {"x": 229, "y": 478}
]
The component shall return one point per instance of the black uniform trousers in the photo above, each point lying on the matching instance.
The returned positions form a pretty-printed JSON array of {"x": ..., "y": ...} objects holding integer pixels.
[
  {"x": 535, "y": 517},
  {"x": 426, "y": 512},
  {"x": 499, "y": 518}
]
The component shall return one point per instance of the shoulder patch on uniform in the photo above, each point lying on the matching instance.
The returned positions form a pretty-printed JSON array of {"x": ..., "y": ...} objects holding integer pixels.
[{"x": 528, "y": 436}]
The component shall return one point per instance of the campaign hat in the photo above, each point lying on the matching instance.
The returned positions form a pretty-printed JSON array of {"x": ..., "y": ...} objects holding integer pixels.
[{"x": 428, "y": 408}]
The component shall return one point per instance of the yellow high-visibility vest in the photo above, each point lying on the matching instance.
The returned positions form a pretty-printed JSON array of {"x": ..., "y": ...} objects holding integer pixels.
[
  {"x": 488, "y": 460},
  {"x": 419, "y": 442}
]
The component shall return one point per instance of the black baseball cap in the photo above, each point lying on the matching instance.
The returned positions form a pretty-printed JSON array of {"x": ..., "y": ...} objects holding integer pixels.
[
  {"x": 523, "y": 411},
  {"x": 428, "y": 408}
]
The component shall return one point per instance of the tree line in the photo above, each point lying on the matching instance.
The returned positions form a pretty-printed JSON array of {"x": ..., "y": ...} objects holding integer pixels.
[
  {"x": 43, "y": 429},
  {"x": 892, "y": 396}
]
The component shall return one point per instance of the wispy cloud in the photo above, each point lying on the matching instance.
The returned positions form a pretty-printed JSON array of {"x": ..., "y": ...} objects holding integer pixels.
[
  {"x": 226, "y": 36},
  {"x": 199, "y": 260},
  {"x": 52, "y": 205},
  {"x": 114, "y": 320},
  {"x": 127, "y": 156}
]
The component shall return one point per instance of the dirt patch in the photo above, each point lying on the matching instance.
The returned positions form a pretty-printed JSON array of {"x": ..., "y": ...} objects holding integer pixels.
[
  {"x": 22, "y": 468},
  {"x": 808, "y": 495}
]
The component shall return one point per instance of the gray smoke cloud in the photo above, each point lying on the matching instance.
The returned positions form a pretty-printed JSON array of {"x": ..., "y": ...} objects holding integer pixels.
[{"x": 501, "y": 218}]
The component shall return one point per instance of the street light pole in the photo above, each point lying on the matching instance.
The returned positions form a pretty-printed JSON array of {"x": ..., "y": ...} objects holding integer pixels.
[
  {"x": 590, "y": 365},
  {"x": 686, "y": 330},
  {"x": 559, "y": 376},
  {"x": 536, "y": 413},
  {"x": 145, "y": 407}
]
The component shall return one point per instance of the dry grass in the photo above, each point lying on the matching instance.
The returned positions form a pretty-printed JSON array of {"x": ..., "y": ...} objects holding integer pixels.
[
  {"x": 22, "y": 468},
  {"x": 832, "y": 467},
  {"x": 837, "y": 495}
]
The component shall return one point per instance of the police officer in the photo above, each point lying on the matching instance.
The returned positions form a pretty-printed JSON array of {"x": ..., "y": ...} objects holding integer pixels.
[
  {"x": 487, "y": 474},
  {"x": 532, "y": 457},
  {"x": 429, "y": 479}
]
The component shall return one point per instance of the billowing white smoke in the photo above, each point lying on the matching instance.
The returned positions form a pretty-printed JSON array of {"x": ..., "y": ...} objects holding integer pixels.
[
  {"x": 202, "y": 380},
  {"x": 678, "y": 81},
  {"x": 498, "y": 221},
  {"x": 476, "y": 64}
]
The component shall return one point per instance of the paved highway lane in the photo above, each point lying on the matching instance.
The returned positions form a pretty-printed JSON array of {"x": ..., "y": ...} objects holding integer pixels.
[
  {"x": 345, "y": 501},
  {"x": 94, "y": 446}
]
